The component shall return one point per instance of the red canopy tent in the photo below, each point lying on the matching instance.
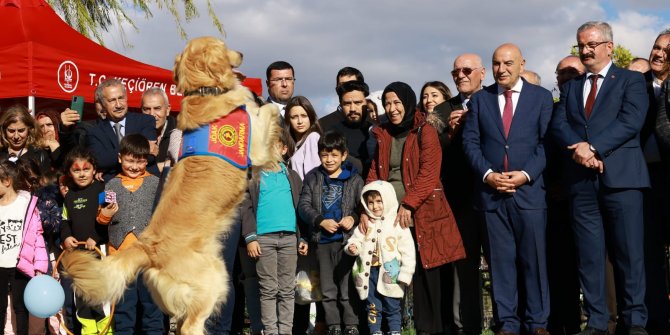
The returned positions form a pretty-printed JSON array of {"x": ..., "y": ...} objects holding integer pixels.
[{"x": 43, "y": 57}]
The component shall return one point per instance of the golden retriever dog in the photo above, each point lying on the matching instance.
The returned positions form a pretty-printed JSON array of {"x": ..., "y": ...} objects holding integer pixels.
[{"x": 179, "y": 253}]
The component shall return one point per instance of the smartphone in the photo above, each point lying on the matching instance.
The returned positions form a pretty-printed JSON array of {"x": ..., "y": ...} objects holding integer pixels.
[{"x": 78, "y": 105}]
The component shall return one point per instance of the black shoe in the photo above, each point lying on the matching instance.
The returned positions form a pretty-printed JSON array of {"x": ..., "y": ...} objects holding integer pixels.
[
  {"x": 592, "y": 331},
  {"x": 334, "y": 331},
  {"x": 637, "y": 330},
  {"x": 351, "y": 330}
]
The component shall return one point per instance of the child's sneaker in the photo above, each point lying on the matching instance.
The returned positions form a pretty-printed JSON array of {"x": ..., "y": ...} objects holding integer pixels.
[
  {"x": 334, "y": 330},
  {"x": 351, "y": 330}
]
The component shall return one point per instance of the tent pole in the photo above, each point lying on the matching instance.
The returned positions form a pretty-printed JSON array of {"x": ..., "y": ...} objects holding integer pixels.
[{"x": 31, "y": 105}]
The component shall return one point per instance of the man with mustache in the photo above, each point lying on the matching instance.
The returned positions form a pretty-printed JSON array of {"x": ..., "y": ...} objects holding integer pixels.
[
  {"x": 352, "y": 121},
  {"x": 597, "y": 123},
  {"x": 280, "y": 79},
  {"x": 103, "y": 139}
]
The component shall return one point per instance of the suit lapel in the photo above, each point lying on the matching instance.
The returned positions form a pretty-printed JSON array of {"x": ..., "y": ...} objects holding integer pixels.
[
  {"x": 579, "y": 94},
  {"x": 494, "y": 108},
  {"x": 130, "y": 124},
  {"x": 109, "y": 133},
  {"x": 520, "y": 110},
  {"x": 605, "y": 89}
]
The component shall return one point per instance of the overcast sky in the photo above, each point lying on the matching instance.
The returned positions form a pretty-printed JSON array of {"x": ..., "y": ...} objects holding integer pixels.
[{"x": 411, "y": 41}]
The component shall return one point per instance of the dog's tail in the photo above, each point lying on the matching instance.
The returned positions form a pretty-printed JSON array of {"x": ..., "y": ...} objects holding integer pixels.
[{"x": 99, "y": 281}]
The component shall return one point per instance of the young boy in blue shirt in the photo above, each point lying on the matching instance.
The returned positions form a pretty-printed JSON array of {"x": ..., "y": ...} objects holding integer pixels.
[
  {"x": 328, "y": 205},
  {"x": 271, "y": 232}
]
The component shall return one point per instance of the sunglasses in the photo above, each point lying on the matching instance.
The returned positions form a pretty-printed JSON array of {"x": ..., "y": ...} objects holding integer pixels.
[{"x": 466, "y": 71}]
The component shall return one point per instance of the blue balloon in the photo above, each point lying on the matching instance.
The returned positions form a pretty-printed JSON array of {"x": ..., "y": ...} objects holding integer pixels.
[{"x": 43, "y": 296}]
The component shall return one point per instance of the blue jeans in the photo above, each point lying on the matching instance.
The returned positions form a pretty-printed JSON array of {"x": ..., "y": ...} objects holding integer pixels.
[
  {"x": 137, "y": 299},
  {"x": 220, "y": 324},
  {"x": 381, "y": 307}
]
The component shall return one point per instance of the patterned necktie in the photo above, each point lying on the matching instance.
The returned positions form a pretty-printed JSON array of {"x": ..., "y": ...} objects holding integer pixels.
[
  {"x": 591, "y": 99},
  {"x": 507, "y": 119},
  {"x": 117, "y": 130}
]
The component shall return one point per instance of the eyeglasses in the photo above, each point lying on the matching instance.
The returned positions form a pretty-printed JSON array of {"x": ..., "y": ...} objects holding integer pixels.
[
  {"x": 590, "y": 45},
  {"x": 466, "y": 71},
  {"x": 281, "y": 80}
]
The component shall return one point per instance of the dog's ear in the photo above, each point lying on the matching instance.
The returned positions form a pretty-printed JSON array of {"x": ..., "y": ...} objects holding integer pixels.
[
  {"x": 175, "y": 70},
  {"x": 235, "y": 58}
]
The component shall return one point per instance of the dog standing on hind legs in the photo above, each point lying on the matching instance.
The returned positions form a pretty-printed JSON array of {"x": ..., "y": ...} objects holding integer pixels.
[{"x": 179, "y": 252}]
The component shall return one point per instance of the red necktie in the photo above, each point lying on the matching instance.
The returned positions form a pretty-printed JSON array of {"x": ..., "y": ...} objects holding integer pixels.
[
  {"x": 507, "y": 118},
  {"x": 592, "y": 95}
]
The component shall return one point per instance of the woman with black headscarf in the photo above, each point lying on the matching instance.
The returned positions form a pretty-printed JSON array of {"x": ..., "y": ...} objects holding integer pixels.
[{"x": 409, "y": 156}]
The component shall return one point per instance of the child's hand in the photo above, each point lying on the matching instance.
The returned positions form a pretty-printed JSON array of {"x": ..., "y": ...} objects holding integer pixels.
[
  {"x": 70, "y": 243},
  {"x": 302, "y": 248},
  {"x": 254, "y": 249},
  {"x": 347, "y": 223},
  {"x": 90, "y": 244},
  {"x": 329, "y": 225},
  {"x": 110, "y": 210},
  {"x": 353, "y": 249}
]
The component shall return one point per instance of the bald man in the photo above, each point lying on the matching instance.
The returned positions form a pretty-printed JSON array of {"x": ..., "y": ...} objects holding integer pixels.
[
  {"x": 531, "y": 77},
  {"x": 568, "y": 68},
  {"x": 503, "y": 140},
  {"x": 639, "y": 64},
  {"x": 456, "y": 175}
]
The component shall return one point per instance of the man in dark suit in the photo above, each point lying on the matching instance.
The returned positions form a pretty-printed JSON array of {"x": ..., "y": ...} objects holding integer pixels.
[
  {"x": 599, "y": 118},
  {"x": 656, "y": 214},
  {"x": 456, "y": 175},
  {"x": 503, "y": 139},
  {"x": 280, "y": 80},
  {"x": 103, "y": 139}
]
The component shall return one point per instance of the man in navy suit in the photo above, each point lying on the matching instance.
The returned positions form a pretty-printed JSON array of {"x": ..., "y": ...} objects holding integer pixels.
[
  {"x": 598, "y": 119},
  {"x": 103, "y": 139},
  {"x": 503, "y": 140}
]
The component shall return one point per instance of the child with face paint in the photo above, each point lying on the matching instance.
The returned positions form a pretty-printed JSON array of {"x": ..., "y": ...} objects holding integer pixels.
[
  {"x": 82, "y": 202},
  {"x": 80, "y": 209}
]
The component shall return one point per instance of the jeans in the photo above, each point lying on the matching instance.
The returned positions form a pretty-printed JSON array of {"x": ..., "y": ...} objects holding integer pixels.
[
  {"x": 336, "y": 284},
  {"x": 220, "y": 324},
  {"x": 381, "y": 307},
  {"x": 136, "y": 302},
  {"x": 276, "y": 278}
]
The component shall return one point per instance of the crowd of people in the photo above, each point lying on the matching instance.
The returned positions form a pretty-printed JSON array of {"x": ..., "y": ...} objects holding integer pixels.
[{"x": 564, "y": 198}]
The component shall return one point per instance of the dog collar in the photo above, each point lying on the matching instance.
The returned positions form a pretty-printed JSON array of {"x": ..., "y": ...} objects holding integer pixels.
[
  {"x": 206, "y": 90},
  {"x": 228, "y": 137}
]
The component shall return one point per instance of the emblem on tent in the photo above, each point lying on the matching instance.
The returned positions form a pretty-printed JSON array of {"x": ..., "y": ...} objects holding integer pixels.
[{"x": 68, "y": 76}]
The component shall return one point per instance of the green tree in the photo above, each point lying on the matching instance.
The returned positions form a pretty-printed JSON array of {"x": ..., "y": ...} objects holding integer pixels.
[
  {"x": 90, "y": 17},
  {"x": 621, "y": 56}
]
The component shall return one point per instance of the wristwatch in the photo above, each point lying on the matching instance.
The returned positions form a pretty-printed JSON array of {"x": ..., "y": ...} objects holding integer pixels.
[{"x": 592, "y": 149}]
